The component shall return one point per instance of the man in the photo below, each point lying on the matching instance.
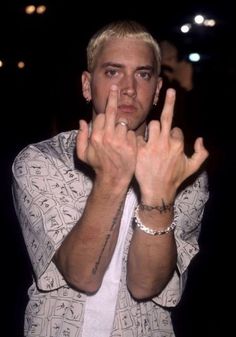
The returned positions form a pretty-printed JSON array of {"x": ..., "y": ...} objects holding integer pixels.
[
  {"x": 175, "y": 69},
  {"x": 108, "y": 225}
]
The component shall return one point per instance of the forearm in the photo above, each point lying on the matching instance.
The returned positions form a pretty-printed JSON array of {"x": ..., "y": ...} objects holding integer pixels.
[
  {"x": 152, "y": 259},
  {"x": 87, "y": 250}
]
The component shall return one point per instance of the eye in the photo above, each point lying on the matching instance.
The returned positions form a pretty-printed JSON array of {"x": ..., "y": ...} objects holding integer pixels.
[
  {"x": 111, "y": 72},
  {"x": 146, "y": 75}
]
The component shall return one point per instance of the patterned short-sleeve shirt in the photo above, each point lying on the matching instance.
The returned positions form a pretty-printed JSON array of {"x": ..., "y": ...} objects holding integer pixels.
[{"x": 50, "y": 189}]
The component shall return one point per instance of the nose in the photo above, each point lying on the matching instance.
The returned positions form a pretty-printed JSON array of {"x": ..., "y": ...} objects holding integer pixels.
[{"x": 128, "y": 86}]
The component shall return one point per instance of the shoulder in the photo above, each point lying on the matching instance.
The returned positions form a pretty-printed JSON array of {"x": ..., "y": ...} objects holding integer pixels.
[{"x": 59, "y": 147}]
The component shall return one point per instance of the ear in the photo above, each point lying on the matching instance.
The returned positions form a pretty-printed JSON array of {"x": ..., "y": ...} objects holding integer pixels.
[
  {"x": 86, "y": 87},
  {"x": 158, "y": 88}
]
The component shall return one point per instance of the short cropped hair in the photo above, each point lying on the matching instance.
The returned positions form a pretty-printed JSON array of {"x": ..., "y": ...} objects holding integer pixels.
[{"x": 121, "y": 29}]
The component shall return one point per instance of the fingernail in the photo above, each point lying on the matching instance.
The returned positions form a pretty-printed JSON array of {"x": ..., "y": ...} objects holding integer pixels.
[{"x": 171, "y": 92}]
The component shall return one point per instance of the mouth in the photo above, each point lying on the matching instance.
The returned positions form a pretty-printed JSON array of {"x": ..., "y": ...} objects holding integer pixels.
[{"x": 128, "y": 108}]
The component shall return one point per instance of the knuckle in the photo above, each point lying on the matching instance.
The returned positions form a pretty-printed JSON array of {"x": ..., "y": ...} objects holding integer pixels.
[{"x": 95, "y": 138}]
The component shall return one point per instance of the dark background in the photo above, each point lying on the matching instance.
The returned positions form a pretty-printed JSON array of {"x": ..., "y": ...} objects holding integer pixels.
[{"x": 44, "y": 98}]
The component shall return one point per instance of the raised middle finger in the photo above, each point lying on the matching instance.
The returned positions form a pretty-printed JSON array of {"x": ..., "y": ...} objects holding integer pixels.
[
  {"x": 111, "y": 108},
  {"x": 167, "y": 112}
]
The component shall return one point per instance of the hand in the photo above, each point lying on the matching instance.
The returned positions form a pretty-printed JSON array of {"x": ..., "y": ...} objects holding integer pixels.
[
  {"x": 161, "y": 162},
  {"x": 111, "y": 148}
]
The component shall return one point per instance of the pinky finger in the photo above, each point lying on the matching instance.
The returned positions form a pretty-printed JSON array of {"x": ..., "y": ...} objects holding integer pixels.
[{"x": 199, "y": 156}]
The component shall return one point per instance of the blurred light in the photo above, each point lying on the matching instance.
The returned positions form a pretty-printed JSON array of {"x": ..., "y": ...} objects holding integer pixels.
[
  {"x": 199, "y": 19},
  {"x": 1, "y": 63},
  {"x": 209, "y": 23},
  {"x": 41, "y": 9},
  {"x": 20, "y": 64},
  {"x": 185, "y": 28},
  {"x": 30, "y": 9},
  {"x": 194, "y": 57}
]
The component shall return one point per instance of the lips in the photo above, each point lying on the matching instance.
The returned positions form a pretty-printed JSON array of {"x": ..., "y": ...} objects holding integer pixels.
[{"x": 127, "y": 108}]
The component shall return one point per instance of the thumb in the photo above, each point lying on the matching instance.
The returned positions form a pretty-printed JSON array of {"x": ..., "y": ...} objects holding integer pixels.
[{"x": 82, "y": 140}]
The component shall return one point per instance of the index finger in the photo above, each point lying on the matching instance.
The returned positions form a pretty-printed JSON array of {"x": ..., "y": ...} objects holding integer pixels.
[
  {"x": 111, "y": 108},
  {"x": 167, "y": 112}
]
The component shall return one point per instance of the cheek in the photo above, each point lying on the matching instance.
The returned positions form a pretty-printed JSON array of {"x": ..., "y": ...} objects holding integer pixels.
[
  {"x": 99, "y": 98},
  {"x": 147, "y": 95}
]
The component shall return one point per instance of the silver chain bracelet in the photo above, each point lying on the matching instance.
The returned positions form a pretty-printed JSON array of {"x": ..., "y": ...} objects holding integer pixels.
[{"x": 148, "y": 230}]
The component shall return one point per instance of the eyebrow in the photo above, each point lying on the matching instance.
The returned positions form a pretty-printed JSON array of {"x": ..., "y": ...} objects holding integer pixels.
[{"x": 119, "y": 65}]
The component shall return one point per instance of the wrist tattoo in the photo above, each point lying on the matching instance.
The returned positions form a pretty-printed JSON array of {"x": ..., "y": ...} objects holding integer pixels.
[{"x": 164, "y": 208}]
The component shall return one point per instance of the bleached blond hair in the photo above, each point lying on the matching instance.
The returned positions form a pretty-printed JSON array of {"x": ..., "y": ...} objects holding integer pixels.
[{"x": 121, "y": 29}]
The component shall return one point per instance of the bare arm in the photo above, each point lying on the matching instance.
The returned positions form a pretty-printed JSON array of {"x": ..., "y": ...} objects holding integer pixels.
[
  {"x": 161, "y": 168},
  {"x": 86, "y": 252}
]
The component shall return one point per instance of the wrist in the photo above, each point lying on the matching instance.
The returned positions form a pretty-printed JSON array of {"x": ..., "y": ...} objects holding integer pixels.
[
  {"x": 163, "y": 207},
  {"x": 154, "y": 229},
  {"x": 108, "y": 188},
  {"x": 157, "y": 196}
]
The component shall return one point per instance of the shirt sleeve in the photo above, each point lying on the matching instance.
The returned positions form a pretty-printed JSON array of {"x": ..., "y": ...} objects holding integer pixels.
[
  {"x": 189, "y": 208},
  {"x": 47, "y": 209}
]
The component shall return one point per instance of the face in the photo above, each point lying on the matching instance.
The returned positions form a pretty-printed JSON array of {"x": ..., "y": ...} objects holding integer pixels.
[{"x": 129, "y": 64}]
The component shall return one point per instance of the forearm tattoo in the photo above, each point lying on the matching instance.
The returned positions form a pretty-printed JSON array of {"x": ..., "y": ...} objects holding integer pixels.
[{"x": 107, "y": 238}]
